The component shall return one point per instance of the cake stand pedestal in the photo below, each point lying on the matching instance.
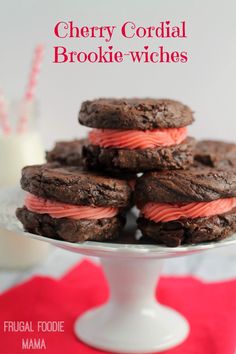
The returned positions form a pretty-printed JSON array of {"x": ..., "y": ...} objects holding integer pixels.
[{"x": 132, "y": 321}]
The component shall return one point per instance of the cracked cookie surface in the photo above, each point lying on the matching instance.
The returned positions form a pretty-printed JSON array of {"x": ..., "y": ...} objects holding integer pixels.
[
  {"x": 136, "y": 113},
  {"x": 73, "y": 185},
  {"x": 194, "y": 185}
]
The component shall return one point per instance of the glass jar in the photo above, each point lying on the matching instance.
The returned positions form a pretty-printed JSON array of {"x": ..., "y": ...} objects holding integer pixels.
[{"x": 16, "y": 151}]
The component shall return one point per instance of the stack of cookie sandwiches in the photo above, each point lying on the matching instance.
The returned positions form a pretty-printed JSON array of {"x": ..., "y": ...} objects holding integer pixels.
[{"x": 136, "y": 148}]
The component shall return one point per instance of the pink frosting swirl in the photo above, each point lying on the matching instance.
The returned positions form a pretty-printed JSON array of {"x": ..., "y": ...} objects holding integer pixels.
[
  {"x": 137, "y": 139},
  {"x": 163, "y": 212},
  {"x": 63, "y": 210}
]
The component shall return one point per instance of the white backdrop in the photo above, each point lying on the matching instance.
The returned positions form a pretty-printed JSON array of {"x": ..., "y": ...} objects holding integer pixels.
[{"x": 206, "y": 83}]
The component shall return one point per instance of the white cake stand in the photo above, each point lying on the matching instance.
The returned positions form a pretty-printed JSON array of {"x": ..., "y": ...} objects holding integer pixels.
[{"x": 132, "y": 321}]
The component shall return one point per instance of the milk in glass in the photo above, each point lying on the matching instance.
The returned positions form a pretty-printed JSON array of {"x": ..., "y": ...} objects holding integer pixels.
[{"x": 16, "y": 151}]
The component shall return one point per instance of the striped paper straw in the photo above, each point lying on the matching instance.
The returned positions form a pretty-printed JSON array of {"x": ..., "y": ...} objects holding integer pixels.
[
  {"x": 30, "y": 89},
  {"x": 3, "y": 115}
]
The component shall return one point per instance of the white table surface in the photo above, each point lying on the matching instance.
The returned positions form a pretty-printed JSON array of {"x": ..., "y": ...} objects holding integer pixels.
[{"x": 213, "y": 265}]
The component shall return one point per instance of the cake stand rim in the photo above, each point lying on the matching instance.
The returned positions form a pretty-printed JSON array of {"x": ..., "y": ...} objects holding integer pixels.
[
  {"x": 112, "y": 248},
  {"x": 155, "y": 251}
]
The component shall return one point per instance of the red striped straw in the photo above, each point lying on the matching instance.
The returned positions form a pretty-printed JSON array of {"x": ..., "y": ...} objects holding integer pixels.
[
  {"x": 3, "y": 115},
  {"x": 31, "y": 87}
]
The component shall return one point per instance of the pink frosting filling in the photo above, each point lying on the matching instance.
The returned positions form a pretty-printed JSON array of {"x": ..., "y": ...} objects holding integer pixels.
[
  {"x": 63, "y": 210},
  {"x": 137, "y": 139},
  {"x": 166, "y": 212}
]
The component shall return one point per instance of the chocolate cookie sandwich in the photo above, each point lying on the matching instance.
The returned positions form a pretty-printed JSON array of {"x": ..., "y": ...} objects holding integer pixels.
[
  {"x": 186, "y": 207},
  {"x": 214, "y": 153},
  {"x": 67, "y": 153},
  {"x": 137, "y": 135},
  {"x": 71, "y": 204}
]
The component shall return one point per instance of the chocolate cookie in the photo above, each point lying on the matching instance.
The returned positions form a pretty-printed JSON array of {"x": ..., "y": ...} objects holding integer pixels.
[
  {"x": 136, "y": 113},
  {"x": 189, "y": 231},
  {"x": 140, "y": 160},
  {"x": 67, "y": 153},
  {"x": 75, "y": 186},
  {"x": 215, "y": 153},
  {"x": 183, "y": 207},
  {"x": 71, "y": 230},
  {"x": 193, "y": 185}
]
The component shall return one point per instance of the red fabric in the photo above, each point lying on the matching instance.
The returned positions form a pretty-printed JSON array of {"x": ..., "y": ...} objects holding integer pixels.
[{"x": 210, "y": 309}]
